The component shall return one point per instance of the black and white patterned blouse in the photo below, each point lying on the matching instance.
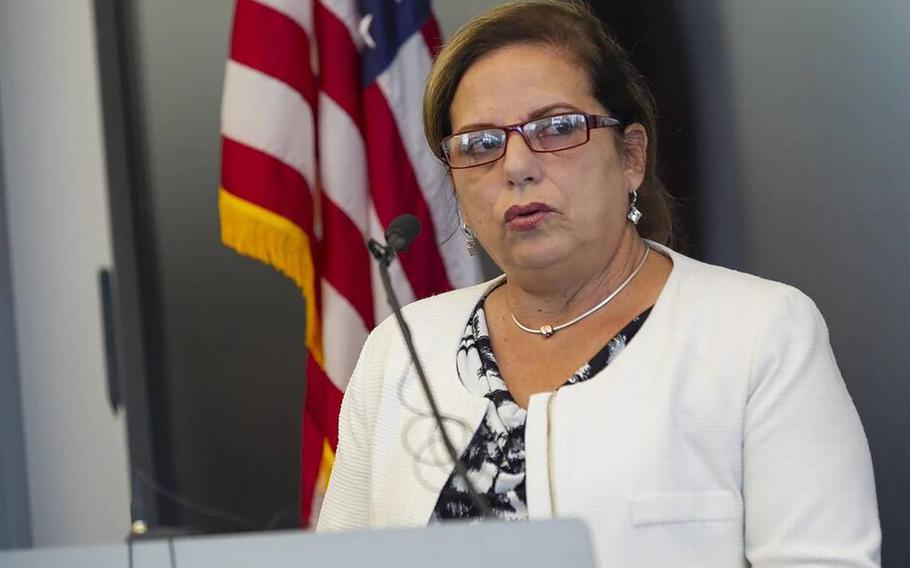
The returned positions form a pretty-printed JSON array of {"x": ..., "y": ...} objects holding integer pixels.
[{"x": 495, "y": 456}]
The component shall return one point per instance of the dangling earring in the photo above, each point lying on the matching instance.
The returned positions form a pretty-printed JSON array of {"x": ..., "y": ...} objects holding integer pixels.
[
  {"x": 470, "y": 240},
  {"x": 634, "y": 214}
]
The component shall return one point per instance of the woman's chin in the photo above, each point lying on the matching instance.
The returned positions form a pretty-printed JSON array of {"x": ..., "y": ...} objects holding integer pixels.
[{"x": 538, "y": 257}]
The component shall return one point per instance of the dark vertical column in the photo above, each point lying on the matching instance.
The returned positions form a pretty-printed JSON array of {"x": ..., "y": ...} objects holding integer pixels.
[
  {"x": 214, "y": 341},
  {"x": 233, "y": 327},
  {"x": 651, "y": 31},
  {"x": 718, "y": 197},
  {"x": 15, "y": 523},
  {"x": 134, "y": 280}
]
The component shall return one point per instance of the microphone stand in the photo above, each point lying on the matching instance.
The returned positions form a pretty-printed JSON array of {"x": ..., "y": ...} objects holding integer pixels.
[{"x": 384, "y": 255}]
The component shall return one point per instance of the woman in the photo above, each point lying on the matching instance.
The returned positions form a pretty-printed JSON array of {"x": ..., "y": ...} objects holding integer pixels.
[{"x": 692, "y": 415}]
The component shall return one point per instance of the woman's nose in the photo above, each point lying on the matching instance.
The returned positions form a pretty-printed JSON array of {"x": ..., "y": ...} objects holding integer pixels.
[{"x": 519, "y": 162}]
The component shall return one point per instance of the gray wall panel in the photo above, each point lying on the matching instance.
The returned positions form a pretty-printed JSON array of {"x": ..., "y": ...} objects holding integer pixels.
[
  {"x": 806, "y": 180},
  {"x": 57, "y": 226},
  {"x": 15, "y": 523}
]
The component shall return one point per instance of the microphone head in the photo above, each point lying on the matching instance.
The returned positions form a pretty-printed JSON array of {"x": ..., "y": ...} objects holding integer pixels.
[{"x": 402, "y": 231}]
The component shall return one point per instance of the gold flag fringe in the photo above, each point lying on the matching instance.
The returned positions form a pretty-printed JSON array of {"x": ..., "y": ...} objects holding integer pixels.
[
  {"x": 256, "y": 232},
  {"x": 325, "y": 466}
]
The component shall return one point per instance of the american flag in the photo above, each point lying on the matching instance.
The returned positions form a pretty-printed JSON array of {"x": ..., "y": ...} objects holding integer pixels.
[{"x": 322, "y": 147}]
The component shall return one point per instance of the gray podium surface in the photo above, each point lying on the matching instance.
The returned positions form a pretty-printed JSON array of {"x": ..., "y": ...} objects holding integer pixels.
[{"x": 535, "y": 544}]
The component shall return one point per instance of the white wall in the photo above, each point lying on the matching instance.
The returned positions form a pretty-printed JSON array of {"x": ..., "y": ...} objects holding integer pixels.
[{"x": 55, "y": 184}]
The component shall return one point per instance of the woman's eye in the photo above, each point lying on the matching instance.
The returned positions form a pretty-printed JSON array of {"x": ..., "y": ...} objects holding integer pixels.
[
  {"x": 479, "y": 143},
  {"x": 558, "y": 126}
]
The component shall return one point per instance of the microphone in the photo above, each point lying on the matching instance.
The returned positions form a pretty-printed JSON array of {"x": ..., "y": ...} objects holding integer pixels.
[{"x": 402, "y": 231}]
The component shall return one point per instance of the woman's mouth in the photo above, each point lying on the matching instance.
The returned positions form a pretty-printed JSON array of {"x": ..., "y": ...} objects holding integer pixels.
[{"x": 526, "y": 217}]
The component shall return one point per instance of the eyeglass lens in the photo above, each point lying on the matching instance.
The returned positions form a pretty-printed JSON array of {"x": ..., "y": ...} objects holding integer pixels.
[{"x": 547, "y": 134}]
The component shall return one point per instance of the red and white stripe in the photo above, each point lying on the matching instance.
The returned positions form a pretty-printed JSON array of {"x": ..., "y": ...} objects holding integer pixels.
[{"x": 294, "y": 104}]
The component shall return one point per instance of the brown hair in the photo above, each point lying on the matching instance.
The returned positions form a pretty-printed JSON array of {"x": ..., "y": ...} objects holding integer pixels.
[{"x": 573, "y": 28}]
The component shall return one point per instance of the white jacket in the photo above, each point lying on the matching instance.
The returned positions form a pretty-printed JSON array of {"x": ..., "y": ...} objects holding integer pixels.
[{"x": 722, "y": 435}]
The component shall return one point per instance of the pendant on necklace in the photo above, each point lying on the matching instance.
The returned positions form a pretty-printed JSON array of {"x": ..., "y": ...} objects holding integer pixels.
[{"x": 546, "y": 330}]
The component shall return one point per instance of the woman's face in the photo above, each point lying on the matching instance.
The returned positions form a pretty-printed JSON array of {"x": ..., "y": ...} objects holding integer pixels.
[{"x": 535, "y": 210}]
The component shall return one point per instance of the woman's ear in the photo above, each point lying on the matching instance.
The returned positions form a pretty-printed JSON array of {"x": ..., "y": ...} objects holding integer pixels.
[{"x": 635, "y": 154}]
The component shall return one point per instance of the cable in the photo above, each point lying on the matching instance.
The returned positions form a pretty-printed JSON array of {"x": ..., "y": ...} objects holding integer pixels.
[
  {"x": 171, "y": 552},
  {"x": 206, "y": 510}
]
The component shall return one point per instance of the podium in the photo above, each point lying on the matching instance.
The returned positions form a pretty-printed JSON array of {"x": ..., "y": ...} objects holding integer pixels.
[{"x": 533, "y": 544}]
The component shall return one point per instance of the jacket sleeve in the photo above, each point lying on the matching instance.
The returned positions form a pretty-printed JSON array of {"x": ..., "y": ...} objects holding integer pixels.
[
  {"x": 808, "y": 486},
  {"x": 347, "y": 500}
]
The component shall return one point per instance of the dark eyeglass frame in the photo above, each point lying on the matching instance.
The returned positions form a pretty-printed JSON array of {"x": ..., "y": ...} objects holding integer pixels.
[{"x": 592, "y": 121}]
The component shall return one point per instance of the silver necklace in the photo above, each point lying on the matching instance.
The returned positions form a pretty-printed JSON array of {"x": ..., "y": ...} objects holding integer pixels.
[{"x": 548, "y": 330}]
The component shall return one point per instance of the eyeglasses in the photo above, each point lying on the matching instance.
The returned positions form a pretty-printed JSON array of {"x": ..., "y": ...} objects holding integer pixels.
[{"x": 548, "y": 134}]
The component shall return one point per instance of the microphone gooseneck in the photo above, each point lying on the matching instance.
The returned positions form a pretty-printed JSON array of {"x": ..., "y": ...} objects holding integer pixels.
[{"x": 402, "y": 231}]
